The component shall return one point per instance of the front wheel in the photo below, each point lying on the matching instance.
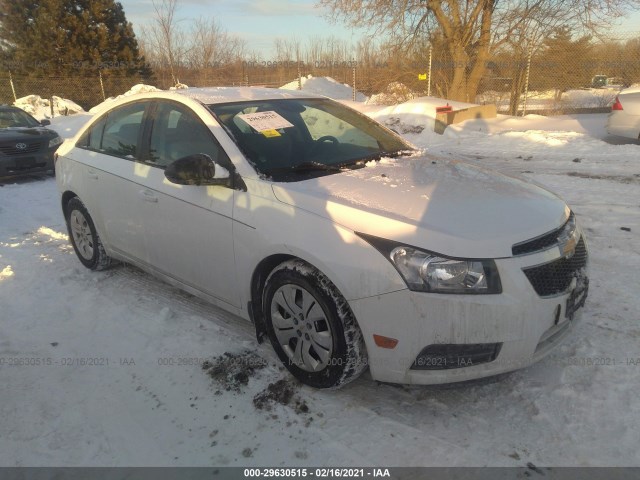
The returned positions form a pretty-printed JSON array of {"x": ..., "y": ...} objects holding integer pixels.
[
  {"x": 311, "y": 326},
  {"x": 84, "y": 237}
]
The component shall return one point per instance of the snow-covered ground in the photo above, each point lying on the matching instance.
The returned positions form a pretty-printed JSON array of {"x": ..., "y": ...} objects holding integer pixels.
[{"x": 103, "y": 368}]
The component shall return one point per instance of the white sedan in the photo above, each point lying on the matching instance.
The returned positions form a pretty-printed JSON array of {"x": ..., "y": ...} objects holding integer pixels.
[
  {"x": 624, "y": 119},
  {"x": 345, "y": 246}
]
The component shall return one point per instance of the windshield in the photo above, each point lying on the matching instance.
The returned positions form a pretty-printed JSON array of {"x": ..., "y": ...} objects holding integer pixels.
[
  {"x": 291, "y": 139},
  {"x": 16, "y": 118}
]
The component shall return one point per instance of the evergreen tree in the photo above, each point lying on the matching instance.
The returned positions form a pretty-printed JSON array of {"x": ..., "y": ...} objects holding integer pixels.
[{"x": 63, "y": 37}]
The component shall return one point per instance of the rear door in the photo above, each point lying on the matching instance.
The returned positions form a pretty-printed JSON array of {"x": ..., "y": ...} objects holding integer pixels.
[{"x": 114, "y": 194}]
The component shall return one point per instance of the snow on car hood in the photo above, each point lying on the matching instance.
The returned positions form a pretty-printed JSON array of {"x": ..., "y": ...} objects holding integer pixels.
[
  {"x": 16, "y": 133},
  {"x": 449, "y": 207}
]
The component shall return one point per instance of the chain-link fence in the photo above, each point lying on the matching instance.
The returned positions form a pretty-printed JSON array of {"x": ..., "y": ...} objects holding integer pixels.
[
  {"x": 86, "y": 91},
  {"x": 562, "y": 75},
  {"x": 557, "y": 76}
]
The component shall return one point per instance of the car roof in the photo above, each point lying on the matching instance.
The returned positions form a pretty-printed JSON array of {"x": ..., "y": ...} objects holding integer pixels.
[{"x": 212, "y": 95}]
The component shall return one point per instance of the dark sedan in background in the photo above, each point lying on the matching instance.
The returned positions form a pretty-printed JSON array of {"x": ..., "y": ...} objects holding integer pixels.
[{"x": 26, "y": 146}]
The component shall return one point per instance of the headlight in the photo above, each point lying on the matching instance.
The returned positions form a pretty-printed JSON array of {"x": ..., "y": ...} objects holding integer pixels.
[
  {"x": 425, "y": 271},
  {"x": 55, "y": 141}
]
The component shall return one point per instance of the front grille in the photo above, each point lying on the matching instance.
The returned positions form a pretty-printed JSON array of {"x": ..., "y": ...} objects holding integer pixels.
[
  {"x": 555, "y": 277},
  {"x": 540, "y": 243},
  {"x": 11, "y": 149}
]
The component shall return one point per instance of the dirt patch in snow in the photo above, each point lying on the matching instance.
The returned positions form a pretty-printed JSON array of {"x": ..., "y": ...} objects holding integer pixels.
[
  {"x": 233, "y": 370},
  {"x": 283, "y": 392}
]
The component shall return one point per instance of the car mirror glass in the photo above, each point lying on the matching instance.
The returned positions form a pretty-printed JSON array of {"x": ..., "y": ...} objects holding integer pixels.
[{"x": 45, "y": 122}]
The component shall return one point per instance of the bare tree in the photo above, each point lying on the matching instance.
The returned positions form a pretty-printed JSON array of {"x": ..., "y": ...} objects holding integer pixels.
[
  {"x": 212, "y": 46},
  {"x": 470, "y": 29},
  {"x": 164, "y": 38}
]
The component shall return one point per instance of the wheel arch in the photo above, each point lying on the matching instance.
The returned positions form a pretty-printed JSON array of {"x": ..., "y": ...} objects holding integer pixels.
[
  {"x": 258, "y": 281},
  {"x": 66, "y": 197}
]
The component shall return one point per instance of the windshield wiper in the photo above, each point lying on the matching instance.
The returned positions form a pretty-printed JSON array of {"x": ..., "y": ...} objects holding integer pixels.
[
  {"x": 306, "y": 167},
  {"x": 379, "y": 155}
]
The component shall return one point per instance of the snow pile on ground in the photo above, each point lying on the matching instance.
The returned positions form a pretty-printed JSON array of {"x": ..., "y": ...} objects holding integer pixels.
[
  {"x": 179, "y": 86},
  {"x": 326, "y": 86},
  {"x": 139, "y": 88},
  {"x": 394, "y": 93},
  {"x": 591, "y": 98},
  {"x": 547, "y": 99},
  {"x": 415, "y": 117},
  {"x": 40, "y": 107}
]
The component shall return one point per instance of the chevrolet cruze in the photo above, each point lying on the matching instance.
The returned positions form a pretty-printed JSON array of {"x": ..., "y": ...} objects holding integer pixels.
[{"x": 344, "y": 245}]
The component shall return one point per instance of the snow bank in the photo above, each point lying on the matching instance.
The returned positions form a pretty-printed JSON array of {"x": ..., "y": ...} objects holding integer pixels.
[
  {"x": 415, "y": 117},
  {"x": 546, "y": 99},
  {"x": 139, "y": 88},
  {"x": 592, "y": 98},
  {"x": 394, "y": 93},
  {"x": 326, "y": 86},
  {"x": 41, "y": 107}
]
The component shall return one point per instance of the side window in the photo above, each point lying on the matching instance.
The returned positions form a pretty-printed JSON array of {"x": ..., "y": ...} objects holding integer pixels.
[
  {"x": 177, "y": 132},
  {"x": 122, "y": 129}
]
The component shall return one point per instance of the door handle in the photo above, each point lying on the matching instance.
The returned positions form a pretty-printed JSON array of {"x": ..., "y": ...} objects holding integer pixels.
[
  {"x": 148, "y": 196},
  {"x": 92, "y": 174}
]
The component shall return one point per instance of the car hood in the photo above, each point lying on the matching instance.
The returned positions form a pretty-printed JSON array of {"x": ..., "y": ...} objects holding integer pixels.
[
  {"x": 24, "y": 133},
  {"x": 449, "y": 207}
]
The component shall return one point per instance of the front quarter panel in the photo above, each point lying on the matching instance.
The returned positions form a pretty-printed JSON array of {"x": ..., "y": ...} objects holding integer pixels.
[{"x": 265, "y": 226}]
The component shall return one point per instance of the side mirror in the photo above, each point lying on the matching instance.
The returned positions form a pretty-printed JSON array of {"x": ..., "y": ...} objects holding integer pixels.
[
  {"x": 197, "y": 169},
  {"x": 45, "y": 122}
]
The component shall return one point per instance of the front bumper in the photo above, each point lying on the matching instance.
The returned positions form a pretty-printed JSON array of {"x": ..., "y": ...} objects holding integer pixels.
[
  {"x": 518, "y": 324},
  {"x": 35, "y": 163}
]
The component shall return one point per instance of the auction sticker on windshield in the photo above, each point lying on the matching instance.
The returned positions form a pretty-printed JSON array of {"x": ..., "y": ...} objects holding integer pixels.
[{"x": 263, "y": 121}]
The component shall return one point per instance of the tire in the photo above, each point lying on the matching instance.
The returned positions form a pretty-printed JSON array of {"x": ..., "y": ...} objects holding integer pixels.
[
  {"x": 84, "y": 237},
  {"x": 311, "y": 326}
]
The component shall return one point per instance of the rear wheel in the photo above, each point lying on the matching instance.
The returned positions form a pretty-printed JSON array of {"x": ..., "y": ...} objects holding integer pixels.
[
  {"x": 84, "y": 237},
  {"x": 311, "y": 326}
]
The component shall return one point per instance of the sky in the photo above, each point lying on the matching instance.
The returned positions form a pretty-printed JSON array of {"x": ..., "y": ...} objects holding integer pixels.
[{"x": 259, "y": 22}]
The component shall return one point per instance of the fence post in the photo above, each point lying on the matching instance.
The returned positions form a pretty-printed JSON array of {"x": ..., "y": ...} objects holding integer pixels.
[
  {"x": 13, "y": 90},
  {"x": 526, "y": 82},
  {"x": 104, "y": 97},
  {"x": 299, "y": 76},
  {"x": 429, "y": 72},
  {"x": 353, "y": 95}
]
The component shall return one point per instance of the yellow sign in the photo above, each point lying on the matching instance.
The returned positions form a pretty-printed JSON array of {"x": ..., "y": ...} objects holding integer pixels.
[
  {"x": 270, "y": 133},
  {"x": 422, "y": 76}
]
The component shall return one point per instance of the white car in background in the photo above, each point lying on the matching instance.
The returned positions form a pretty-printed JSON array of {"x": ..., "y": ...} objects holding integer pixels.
[
  {"x": 344, "y": 245},
  {"x": 624, "y": 119}
]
